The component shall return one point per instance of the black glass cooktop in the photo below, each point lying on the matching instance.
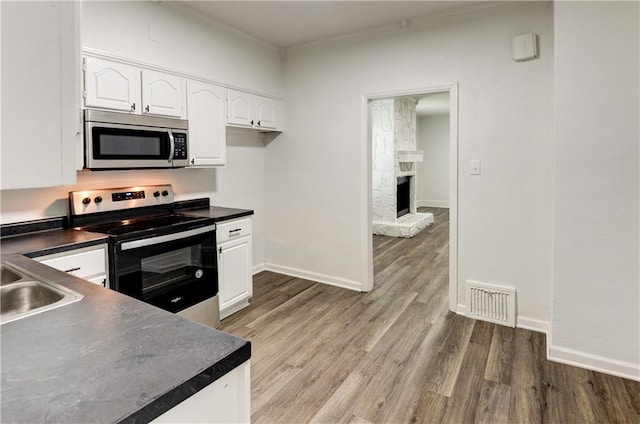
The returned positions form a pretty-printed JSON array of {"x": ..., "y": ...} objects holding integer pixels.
[{"x": 127, "y": 226}]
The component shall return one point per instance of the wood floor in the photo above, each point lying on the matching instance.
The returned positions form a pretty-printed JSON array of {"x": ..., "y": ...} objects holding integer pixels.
[{"x": 396, "y": 355}]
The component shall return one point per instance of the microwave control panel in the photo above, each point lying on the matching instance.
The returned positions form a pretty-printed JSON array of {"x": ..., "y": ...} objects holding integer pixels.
[{"x": 180, "y": 142}]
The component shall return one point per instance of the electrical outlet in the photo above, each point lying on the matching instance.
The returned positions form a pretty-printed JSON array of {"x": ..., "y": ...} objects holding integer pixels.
[{"x": 474, "y": 166}]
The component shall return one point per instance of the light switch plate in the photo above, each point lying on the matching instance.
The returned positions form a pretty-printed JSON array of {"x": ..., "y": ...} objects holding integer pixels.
[{"x": 474, "y": 166}]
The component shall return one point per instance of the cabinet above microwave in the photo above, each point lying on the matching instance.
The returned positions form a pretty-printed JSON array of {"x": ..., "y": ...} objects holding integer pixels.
[{"x": 125, "y": 88}]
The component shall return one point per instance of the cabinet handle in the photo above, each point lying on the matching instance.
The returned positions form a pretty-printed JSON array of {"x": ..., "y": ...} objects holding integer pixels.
[
  {"x": 258, "y": 123},
  {"x": 193, "y": 161},
  {"x": 146, "y": 109},
  {"x": 252, "y": 122},
  {"x": 72, "y": 269},
  {"x": 220, "y": 250},
  {"x": 234, "y": 231},
  {"x": 133, "y": 107}
]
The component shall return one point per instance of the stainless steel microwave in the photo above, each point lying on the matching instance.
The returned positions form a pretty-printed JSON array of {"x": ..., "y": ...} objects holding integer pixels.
[{"x": 116, "y": 140}]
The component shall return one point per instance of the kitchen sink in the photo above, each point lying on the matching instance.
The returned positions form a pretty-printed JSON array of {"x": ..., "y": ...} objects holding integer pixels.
[
  {"x": 23, "y": 295},
  {"x": 8, "y": 276}
]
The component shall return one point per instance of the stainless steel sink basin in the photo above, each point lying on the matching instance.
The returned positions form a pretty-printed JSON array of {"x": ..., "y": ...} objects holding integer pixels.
[
  {"x": 23, "y": 295},
  {"x": 7, "y": 276}
]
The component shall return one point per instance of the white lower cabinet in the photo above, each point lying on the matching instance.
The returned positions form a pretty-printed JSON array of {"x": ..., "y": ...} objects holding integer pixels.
[
  {"x": 235, "y": 263},
  {"x": 89, "y": 263},
  {"x": 226, "y": 400}
]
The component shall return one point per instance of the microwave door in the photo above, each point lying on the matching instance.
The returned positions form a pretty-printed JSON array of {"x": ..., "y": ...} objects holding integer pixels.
[{"x": 113, "y": 146}]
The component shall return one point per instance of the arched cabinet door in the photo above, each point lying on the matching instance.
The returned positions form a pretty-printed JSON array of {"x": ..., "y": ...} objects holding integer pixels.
[
  {"x": 207, "y": 134},
  {"x": 111, "y": 85},
  {"x": 268, "y": 113},
  {"x": 240, "y": 108},
  {"x": 162, "y": 94}
]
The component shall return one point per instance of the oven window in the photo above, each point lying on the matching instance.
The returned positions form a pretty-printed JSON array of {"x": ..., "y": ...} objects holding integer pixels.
[
  {"x": 116, "y": 143},
  {"x": 171, "y": 268}
]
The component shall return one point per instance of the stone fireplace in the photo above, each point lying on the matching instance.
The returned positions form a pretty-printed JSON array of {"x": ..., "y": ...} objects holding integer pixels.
[{"x": 393, "y": 134}]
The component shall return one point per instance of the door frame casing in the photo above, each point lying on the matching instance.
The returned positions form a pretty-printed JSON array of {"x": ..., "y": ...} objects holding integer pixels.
[{"x": 367, "y": 157}]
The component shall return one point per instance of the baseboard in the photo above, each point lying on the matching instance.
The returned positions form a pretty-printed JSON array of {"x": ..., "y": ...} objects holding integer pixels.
[
  {"x": 314, "y": 276},
  {"x": 525, "y": 323},
  {"x": 433, "y": 203},
  {"x": 537, "y": 325},
  {"x": 259, "y": 268},
  {"x": 597, "y": 363}
]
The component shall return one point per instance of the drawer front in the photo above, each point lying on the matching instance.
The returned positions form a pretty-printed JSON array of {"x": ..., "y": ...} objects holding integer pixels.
[
  {"x": 231, "y": 230},
  {"x": 81, "y": 264}
]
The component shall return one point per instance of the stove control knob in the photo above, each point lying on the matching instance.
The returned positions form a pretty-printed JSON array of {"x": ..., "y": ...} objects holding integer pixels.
[
  {"x": 165, "y": 193},
  {"x": 98, "y": 199},
  {"x": 86, "y": 201},
  {"x": 156, "y": 194}
]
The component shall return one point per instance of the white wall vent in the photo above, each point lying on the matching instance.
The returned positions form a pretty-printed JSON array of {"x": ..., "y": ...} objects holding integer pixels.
[{"x": 491, "y": 303}]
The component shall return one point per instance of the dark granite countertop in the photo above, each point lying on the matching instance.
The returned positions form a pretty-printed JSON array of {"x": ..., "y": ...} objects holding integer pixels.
[
  {"x": 50, "y": 241},
  {"x": 218, "y": 213},
  {"x": 107, "y": 358}
]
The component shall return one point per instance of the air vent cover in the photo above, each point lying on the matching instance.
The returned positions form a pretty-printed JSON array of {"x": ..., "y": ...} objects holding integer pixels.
[{"x": 491, "y": 303}]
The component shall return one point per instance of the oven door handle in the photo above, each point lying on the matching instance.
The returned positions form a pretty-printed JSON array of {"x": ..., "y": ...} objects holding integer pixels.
[
  {"x": 172, "y": 142},
  {"x": 166, "y": 238}
]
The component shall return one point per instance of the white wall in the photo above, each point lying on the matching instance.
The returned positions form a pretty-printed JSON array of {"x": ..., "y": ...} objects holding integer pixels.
[
  {"x": 165, "y": 35},
  {"x": 316, "y": 171},
  {"x": 596, "y": 278},
  {"x": 160, "y": 34},
  {"x": 432, "y": 174}
]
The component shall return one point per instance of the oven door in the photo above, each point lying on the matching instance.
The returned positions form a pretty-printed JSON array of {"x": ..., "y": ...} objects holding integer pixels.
[{"x": 172, "y": 272}]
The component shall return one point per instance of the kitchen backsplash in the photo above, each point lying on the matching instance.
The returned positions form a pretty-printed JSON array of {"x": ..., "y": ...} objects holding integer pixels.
[{"x": 30, "y": 204}]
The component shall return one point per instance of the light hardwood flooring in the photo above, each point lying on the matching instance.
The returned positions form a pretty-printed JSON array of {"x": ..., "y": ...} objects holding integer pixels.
[{"x": 396, "y": 355}]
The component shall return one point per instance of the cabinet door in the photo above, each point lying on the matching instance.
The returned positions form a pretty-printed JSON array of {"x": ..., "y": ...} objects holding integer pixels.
[
  {"x": 40, "y": 93},
  {"x": 89, "y": 263},
  {"x": 234, "y": 271},
  {"x": 207, "y": 134},
  {"x": 240, "y": 108},
  {"x": 162, "y": 94},
  {"x": 111, "y": 85},
  {"x": 268, "y": 113},
  {"x": 226, "y": 400}
]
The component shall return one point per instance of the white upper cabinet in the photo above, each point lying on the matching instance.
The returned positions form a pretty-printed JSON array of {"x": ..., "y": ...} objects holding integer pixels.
[
  {"x": 268, "y": 113},
  {"x": 40, "y": 129},
  {"x": 117, "y": 86},
  {"x": 111, "y": 85},
  {"x": 253, "y": 111},
  {"x": 206, "y": 114},
  {"x": 162, "y": 94},
  {"x": 240, "y": 108}
]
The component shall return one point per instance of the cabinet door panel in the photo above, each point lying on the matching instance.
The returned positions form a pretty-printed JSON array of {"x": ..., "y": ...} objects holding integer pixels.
[
  {"x": 162, "y": 94},
  {"x": 235, "y": 271},
  {"x": 266, "y": 113},
  {"x": 40, "y": 91},
  {"x": 111, "y": 85},
  {"x": 240, "y": 108},
  {"x": 207, "y": 134}
]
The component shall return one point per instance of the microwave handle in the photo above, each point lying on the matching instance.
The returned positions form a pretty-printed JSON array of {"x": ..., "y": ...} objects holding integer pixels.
[{"x": 172, "y": 141}]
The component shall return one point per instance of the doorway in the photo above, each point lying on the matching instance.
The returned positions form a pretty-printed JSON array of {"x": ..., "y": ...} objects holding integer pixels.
[{"x": 367, "y": 155}]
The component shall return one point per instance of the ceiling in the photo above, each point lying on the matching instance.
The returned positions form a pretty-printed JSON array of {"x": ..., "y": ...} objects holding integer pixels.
[{"x": 286, "y": 24}]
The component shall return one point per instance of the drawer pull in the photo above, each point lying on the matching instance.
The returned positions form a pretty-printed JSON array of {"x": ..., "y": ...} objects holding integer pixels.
[
  {"x": 72, "y": 269},
  {"x": 235, "y": 231}
]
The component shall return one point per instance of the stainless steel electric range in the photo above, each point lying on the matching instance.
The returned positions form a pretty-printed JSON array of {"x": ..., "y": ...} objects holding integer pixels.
[{"x": 156, "y": 255}]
